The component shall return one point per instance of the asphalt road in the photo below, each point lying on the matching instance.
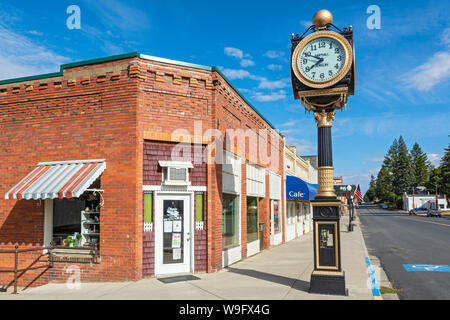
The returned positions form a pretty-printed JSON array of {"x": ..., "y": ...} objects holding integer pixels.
[{"x": 397, "y": 239}]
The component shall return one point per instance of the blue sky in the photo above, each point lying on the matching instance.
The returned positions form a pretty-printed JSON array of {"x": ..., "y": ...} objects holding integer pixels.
[{"x": 403, "y": 69}]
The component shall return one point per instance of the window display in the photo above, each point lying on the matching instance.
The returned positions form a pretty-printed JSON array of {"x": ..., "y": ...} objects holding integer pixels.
[
  {"x": 276, "y": 216},
  {"x": 230, "y": 227},
  {"x": 76, "y": 221},
  {"x": 252, "y": 219}
]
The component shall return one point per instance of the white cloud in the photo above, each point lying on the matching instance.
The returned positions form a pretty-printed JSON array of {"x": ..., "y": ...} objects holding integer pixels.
[
  {"x": 278, "y": 84},
  {"x": 289, "y": 123},
  {"x": 247, "y": 63},
  {"x": 435, "y": 159},
  {"x": 274, "y": 67},
  {"x": 429, "y": 74},
  {"x": 234, "y": 52},
  {"x": 34, "y": 33},
  {"x": 233, "y": 74},
  {"x": 434, "y": 71},
  {"x": 245, "y": 60},
  {"x": 273, "y": 54},
  {"x": 445, "y": 37},
  {"x": 303, "y": 146},
  {"x": 305, "y": 23},
  {"x": 20, "y": 56},
  {"x": 273, "y": 96}
]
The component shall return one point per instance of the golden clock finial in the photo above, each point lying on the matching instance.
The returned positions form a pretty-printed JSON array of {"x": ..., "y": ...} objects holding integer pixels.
[{"x": 322, "y": 18}]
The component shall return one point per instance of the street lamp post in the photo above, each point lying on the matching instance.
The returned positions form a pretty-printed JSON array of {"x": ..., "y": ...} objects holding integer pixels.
[
  {"x": 350, "y": 219},
  {"x": 323, "y": 76}
]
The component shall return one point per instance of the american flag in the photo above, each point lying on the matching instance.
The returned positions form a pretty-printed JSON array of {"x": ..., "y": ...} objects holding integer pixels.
[{"x": 358, "y": 194}]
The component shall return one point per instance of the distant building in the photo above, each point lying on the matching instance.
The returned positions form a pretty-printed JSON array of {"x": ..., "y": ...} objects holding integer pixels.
[{"x": 424, "y": 200}]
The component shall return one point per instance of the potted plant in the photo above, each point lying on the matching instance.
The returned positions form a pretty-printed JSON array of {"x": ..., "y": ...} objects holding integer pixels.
[
  {"x": 79, "y": 238},
  {"x": 70, "y": 241}
]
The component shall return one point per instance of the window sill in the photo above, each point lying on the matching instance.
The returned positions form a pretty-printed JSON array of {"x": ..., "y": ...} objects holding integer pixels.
[
  {"x": 74, "y": 256},
  {"x": 230, "y": 247}
]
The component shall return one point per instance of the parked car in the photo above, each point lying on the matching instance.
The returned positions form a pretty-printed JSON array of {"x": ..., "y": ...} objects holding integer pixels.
[
  {"x": 415, "y": 210},
  {"x": 434, "y": 213}
]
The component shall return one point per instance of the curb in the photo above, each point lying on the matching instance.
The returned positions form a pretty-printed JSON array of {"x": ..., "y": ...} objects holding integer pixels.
[{"x": 375, "y": 286}]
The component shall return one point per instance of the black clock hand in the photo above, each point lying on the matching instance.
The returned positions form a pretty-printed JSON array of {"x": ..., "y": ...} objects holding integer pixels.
[{"x": 321, "y": 59}]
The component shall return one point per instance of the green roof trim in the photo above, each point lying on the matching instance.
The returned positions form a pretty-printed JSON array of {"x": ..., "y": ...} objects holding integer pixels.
[
  {"x": 99, "y": 60},
  {"x": 70, "y": 65},
  {"x": 41, "y": 76},
  {"x": 132, "y": 55},
  {"x": 175, "y": 62}
]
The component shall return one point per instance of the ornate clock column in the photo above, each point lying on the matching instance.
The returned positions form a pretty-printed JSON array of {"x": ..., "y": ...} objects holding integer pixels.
[
  {"x": 323, "y": 76},
  {"x": 327, "y": 277}
]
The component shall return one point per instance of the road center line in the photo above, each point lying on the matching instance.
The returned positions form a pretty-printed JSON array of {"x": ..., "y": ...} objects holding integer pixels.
[{"x": 442, "y": 224}]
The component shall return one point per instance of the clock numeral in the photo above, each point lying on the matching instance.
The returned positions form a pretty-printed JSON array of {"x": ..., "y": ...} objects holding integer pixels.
[
  {"x": 331, "y": 45},
  {"x": 313, "y": 74},
  {"x": 322, "y": 76},
  {"x": 336, "y": 66},
  {"x": 305, "y": 61},
  {"x": 307, "y": 54},
  {"x": 339, "y": 58},
  {"x": 307, "y": 69},
  {"x": 330, "y": 73},
  {"x": 322, "y": 44},
  {"x": 336, "y": 50},
  {"x": 313, "y": 47}
]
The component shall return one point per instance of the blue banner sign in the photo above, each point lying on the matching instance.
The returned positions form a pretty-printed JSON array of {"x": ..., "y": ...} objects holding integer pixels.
[
  {"x": 298, "y": 189},
  {"x": 426, "y": 267}
]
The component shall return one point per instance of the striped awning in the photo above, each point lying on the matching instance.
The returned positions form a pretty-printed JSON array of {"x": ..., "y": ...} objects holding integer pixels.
[{"x": 64, "y": 179}]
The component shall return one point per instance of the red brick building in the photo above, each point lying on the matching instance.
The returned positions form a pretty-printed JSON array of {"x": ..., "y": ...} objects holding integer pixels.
[{"x": 161, "y": 165}]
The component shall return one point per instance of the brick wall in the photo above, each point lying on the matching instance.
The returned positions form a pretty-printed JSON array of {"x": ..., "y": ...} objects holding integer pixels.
[
  {"x": 68, "y": 120},
  {"x": 108, "y": 110}
]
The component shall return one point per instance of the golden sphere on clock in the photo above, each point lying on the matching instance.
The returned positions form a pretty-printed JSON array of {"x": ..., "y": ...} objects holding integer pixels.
[{"x": 322, "y": 18}]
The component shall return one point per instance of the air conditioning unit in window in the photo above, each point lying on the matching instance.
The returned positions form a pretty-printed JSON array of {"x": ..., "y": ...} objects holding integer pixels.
[{"x": 176, "y": 173}]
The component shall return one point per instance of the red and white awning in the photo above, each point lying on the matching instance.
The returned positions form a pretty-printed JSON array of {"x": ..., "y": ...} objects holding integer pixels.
[{"x": 64, "y": 179}]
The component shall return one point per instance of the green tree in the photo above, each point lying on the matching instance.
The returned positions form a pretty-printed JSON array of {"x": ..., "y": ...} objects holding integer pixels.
[
  {"x": 445, "y": 172},
  {"x": 384, "y": 183},
  {"x": 434, "y": 177},
  {"x": 371, "y": 192},
  {"x": 385, "y": 175},
  {"x": 402, "y": 169},
  {"x": 420, "y": 165}
]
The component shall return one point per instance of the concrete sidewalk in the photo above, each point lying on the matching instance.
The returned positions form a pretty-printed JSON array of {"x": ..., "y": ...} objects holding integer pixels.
[{"x": 280, "y": 273}]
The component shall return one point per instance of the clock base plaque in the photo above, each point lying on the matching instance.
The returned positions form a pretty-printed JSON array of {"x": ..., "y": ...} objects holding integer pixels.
[{"x": 328, "y": 282}]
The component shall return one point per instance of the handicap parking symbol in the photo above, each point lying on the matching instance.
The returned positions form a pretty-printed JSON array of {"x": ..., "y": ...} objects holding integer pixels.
[{"x": 426, "y": 267}]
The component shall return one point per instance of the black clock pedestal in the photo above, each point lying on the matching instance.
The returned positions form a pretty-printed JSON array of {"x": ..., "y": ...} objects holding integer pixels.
[{"x": 327, "y": 277}]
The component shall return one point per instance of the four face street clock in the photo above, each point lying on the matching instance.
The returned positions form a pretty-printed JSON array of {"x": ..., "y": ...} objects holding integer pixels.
[
  {"x": 322, "y": 59},
  {"x": 323, "y": 64},
  {"x": 323, "y": 76}
]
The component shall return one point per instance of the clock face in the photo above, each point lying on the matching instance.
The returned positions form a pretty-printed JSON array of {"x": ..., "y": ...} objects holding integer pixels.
[{"x": 321, "y": 59}]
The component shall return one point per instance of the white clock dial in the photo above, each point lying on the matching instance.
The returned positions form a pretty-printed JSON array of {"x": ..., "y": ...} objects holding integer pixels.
[{"x": 321, "y": 59}]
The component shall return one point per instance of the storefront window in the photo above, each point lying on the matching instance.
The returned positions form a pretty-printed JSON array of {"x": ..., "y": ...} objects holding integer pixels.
[
  {"x": 299, "y": 212},
  {"x": 276, "y": 216},
  {"x": 76, "y": 222},
  {"x": 252, "y": 219},
  {"x": 230, "y": 226},
  {"x": 291, "y": 212}
]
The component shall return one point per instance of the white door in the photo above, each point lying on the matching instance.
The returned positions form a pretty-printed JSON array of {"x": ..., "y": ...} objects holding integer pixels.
[{"x": 173, "y": 234}]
